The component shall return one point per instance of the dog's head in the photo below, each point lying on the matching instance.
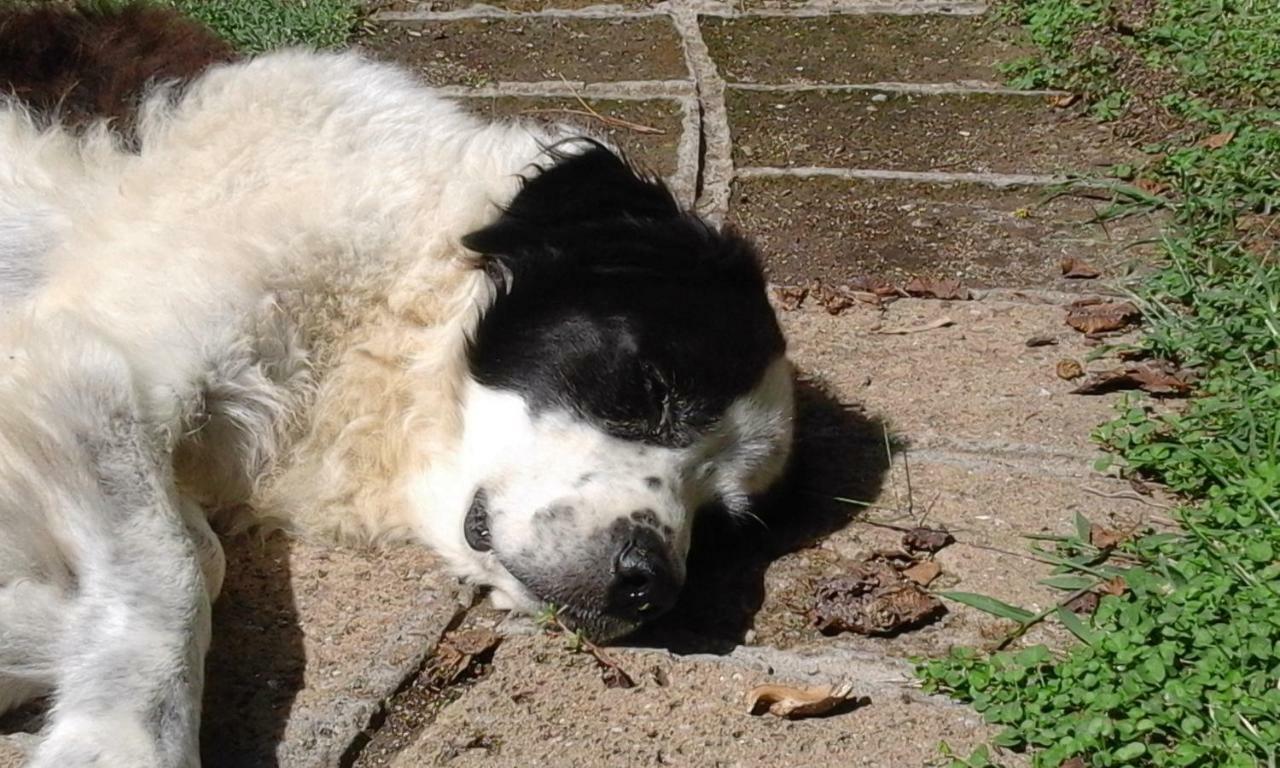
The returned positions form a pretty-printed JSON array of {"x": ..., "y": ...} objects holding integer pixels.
[{"x": 629, "y": 373}]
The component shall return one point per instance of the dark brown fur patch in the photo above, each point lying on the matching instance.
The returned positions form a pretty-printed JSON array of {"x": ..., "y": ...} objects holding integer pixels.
[{"x": 80, "y": 64}]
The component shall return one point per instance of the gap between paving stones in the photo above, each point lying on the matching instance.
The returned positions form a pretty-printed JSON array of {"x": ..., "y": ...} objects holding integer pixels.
[
  {"x": 357, "y": 752},
  {"x": 715, "y": 140}
]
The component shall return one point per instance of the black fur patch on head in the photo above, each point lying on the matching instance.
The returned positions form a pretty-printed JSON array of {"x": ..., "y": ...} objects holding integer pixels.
[
  {"x": 92, "y": 61},
  {"x": 622, "y": 308}
]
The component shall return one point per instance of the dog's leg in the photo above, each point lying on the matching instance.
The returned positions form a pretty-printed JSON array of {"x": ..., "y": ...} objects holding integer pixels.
[
  {"x": 31, "y": 620},
  {"x": 130, "y": 660}
]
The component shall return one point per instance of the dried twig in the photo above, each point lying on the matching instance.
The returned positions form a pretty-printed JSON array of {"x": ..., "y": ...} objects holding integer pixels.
[
  {"x": 615, "y": 121},
  {"x": 603, "y": 658}
]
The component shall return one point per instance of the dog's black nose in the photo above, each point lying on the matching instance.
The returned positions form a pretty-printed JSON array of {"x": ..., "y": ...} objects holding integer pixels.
[{"x": 645, "y": 581}]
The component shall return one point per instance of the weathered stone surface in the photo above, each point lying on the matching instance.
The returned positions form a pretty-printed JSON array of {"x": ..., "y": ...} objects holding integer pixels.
[
  {"x": 974, "y": 132},
  {"x": 655, "y": 152},
  {"x": 988, "y": 507},
  {"x": 479, "y": 51},
  {"x": 308, "y": 642},
  {"x": 543, "y": 704},
  {"x": 837, "y": 229},
  {"x": 974, "y": 385},
  {"x": 856, "y": 48}
]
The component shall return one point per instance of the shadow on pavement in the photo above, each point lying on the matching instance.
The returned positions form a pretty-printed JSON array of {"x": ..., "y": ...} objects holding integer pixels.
[
  {"x": 839, "y": 452},
  {"x": 256, "y": 663}
]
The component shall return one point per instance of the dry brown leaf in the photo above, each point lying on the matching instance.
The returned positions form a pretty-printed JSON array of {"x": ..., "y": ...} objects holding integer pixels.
[
  {"x": 789, "y": 297},
  {"x": 1151, "y": 186},
  {"x": 1078, "y": 269},
  {"x": 879, "y": 286},
  {"x": 1156, "y": 377},
  {"x": 1217, "y": 140},
  {"x": 792, "y": 702},
  {"x": 1075, "y": 762},
  {"x": 457, "y": 650},
  {"x": 1041, "y": 341},
  {"x": 615, "y": 677},
  {"x": 1103, "y": 537},
  {"x": 923, "y": 572},
  {"x": 1084, "y": 604},
  {"x": 1068, "y": 369},
  {"x": 1114, "y": 586},
  {"x": 927, "y": 539},
  {"x": 1062, "y": 101},
  {"x": 932, "y": 288},
  {"x": 872, "y": 599},
  {"x": 834, "y": 300},
  {"x": 932, "y": 325},
  {"x": 1101, "y": 317}
]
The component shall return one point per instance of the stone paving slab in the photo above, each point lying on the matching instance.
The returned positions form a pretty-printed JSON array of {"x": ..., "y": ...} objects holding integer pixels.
[
  {"x": 308, "y": 642},
  {"x": 989, "y": 508},
  {"x": 855, "y": 48},
  {"x": 544, "y": 705},
  {"x": 479, "y": 51},
  {"x": 972, "y": 386},
  {"x": 655, "y": 152},
  {"x": 867, "y": 128},
  {"x": 836, "y": 229}
]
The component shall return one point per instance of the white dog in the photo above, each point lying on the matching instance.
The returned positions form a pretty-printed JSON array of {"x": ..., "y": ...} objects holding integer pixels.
[{"x": 322, "y": 297}]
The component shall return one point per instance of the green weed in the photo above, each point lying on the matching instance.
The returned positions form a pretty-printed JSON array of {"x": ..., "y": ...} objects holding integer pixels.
[
  {"x": 253, "y": 26},
  {"x": 1183, "y": 668}
]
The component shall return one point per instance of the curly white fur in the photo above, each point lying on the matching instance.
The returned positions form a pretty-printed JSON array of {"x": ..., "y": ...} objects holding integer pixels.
[{"x": 265, "y": 309}]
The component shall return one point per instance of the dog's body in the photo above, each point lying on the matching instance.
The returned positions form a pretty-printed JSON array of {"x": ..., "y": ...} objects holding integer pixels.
[{"x": 299, "y": 303}]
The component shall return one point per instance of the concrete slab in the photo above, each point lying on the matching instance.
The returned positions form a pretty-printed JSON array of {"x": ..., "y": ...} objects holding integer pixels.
[
  {"x": 836, "y": 229},
  {"x": 990, "y": 510},
  {"x": 973, "y": 132},
  {"x": 479, "y": 51},
  {"x": 856, "y": 48},
  {"x": 542, "y": 704},
  {"x": 974, "y": 386},
  {"x": 655, "y": 152},
  {"x": 308, "y": 642}
]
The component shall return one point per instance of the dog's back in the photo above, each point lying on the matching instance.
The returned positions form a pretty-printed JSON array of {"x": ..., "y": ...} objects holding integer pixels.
[{"x": 75, "y": 68}]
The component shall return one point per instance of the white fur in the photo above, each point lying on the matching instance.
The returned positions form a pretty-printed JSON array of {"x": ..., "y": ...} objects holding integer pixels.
[{"x": 264, "y": 310}]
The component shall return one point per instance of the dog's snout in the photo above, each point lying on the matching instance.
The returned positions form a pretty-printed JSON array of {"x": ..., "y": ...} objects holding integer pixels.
[{"x": 645, "y": 580}]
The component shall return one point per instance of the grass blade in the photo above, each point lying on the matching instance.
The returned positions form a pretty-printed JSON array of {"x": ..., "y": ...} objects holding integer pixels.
[
  {"x": 1077, "y": 627},
  {"x": 990, "y": 605}
]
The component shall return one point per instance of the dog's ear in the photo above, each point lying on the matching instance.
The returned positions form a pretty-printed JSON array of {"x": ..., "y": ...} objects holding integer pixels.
[{"x": 587, "y": 184}]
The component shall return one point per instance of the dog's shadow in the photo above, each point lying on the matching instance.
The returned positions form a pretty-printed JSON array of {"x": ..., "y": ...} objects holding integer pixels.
[
  {"x": 256, "y": 663},
  {"x": 839, "y": 452}
]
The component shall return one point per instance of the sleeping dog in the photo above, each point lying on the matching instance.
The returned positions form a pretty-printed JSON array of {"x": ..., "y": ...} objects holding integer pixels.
[{"x": 302, "y": 291}]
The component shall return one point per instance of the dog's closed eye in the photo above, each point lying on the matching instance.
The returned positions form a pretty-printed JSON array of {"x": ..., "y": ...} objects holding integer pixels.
[{"x": 658, "y": 389}]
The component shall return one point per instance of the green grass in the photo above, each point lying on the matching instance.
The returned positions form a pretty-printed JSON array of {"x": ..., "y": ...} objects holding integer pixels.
[
  {"x": 253, "y": 26},
  {"x": 1184, "y": 668}
]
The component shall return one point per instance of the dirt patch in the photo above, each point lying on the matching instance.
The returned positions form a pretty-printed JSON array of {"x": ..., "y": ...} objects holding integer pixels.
[
  {"x": 835, "y": 230},
  {"x": 479, "y": 51},
  {"x": 857, "y": 48},
  {"x": 978, "y": 132}
]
